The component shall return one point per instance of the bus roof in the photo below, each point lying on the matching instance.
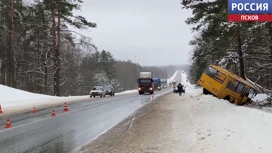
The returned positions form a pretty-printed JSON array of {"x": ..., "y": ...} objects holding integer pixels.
[{"x": 234, "y": 76}]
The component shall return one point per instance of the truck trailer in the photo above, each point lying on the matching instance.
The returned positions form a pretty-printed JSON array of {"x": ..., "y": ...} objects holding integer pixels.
[{"x": 145, "y": 83}]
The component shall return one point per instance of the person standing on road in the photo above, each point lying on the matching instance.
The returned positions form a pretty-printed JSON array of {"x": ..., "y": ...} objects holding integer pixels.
[{"x": 180, "y": 89}]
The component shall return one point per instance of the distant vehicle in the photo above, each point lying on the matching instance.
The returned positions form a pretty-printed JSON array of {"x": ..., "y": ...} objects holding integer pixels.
[
  {"x": 175, "y": 89},
  {"x": 97, "y": 91},
  {"x": 109, "y": 90},
  {"x": 174, "y": 83},
  {"x": 164, "y": 83},
  {"x": 226, "y": 85},
  {"x": 157, "y": 83},
  {"x": 145, "y": 83}
]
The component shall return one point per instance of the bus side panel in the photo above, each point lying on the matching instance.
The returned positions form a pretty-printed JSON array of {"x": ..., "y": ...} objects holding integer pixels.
[
  {"x": 222, "y": 93},
  {"x": 244, "y": 98},
  {"x": 233, "y": 95}
]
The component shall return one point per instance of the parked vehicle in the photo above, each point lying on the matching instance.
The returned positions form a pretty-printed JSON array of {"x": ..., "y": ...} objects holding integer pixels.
[
  {"x": 109, "y": 90},
  {"x": 145, "y": 83},
  {"x": 97, "y": 91},
  {"x": 226, "y": 85}
]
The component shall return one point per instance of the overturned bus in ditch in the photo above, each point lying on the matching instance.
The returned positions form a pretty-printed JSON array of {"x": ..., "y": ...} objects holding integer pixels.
[{"x": 226, "y": 85}]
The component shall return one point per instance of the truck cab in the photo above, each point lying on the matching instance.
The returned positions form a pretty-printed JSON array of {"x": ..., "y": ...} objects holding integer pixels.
[
  {"x": 164, "y": 83},
  {"x": 145, "y": 83},
  {"x": 157, "y": 83}
]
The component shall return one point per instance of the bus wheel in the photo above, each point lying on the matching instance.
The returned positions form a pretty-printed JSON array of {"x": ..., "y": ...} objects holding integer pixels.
[
  {"x": 227, "y": 98},
  {"x": 205, "y": 91}
]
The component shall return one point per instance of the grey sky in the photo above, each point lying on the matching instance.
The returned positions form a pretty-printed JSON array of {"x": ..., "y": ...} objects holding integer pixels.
[{"x": 153, "y": 31}]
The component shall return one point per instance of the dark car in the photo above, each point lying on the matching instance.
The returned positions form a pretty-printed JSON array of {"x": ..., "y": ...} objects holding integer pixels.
[{"x": 109, "y": 90}]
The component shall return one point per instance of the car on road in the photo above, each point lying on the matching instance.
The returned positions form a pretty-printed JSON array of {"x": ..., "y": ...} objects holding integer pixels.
[
  {"x": 109, "y": 90},
  {"x": 97, "y": 91}
]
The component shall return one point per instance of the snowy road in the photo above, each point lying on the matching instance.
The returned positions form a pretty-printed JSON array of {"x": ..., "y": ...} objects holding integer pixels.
[
  {"x": 191, "y": 123},
  {"x": 67, "y": 131}
]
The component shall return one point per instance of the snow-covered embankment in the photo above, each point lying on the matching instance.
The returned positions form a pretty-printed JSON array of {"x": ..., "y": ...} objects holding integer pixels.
[{"x": 15, "y": 100}]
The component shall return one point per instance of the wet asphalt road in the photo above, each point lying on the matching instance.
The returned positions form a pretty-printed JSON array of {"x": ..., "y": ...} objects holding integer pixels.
[{"x": 68, "y": 131}]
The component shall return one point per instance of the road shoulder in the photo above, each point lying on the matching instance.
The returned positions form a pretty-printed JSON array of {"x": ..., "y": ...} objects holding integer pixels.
[{"x": 163, "y": 125}]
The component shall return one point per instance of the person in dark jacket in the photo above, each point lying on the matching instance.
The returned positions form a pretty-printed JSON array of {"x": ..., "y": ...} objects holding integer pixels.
[{"x": 180, "y": 89}]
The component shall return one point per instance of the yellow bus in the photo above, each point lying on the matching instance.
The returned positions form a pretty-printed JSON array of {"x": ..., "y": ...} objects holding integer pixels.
[{"x": 226, "y": 85}]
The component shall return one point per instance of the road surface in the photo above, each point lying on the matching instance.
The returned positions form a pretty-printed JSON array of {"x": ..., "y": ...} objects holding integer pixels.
[{"x": 68, "y": 131}]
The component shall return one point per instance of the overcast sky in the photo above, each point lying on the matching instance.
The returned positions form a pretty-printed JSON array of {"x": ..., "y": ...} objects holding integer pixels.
[{"x": 151, "y": 31}]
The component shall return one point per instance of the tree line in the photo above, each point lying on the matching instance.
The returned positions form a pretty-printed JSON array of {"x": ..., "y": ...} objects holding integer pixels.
[
  {"x": 39, "y": 53},
  {"x": 243, "y": 48}
]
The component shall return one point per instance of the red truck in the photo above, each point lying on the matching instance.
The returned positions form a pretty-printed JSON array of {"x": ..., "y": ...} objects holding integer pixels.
[{"x": 145, "y": 83}]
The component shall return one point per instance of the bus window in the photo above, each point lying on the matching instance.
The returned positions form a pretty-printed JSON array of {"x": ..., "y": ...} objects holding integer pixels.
[
  {"x": 228, "y": 85},
  {"x": 251, "y": 91},
  {"x": 220, "y": 77},
  {"x": 240, "y": 88},
  {"x": 246, "y": 92},
  {"x": 234, "y": 85},
  {"x": 211, "y": 72},
  {"x": 215, "y": 74}
]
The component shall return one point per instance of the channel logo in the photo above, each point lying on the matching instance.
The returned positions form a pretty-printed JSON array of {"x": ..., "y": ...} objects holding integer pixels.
[{"x": 249, "y": 10}]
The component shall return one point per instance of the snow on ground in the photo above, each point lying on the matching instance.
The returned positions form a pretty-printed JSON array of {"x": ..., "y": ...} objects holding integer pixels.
[
  {"x": 15, "y": 100},
  {"x": 217, "y": 123},
  {"x": 260, "y": 97},
  {"x": 221, "y": 127},
  {"x": 172, "y": 78},
  {"x": 192, "y": 123},
  {"x": 184, "y": 82}
]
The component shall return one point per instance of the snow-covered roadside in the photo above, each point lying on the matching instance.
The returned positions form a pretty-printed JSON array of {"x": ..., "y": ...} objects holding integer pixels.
[
  {"x": 192, "y": 123},
  {"x": 16, "y": 101},
  {"x": 217, "y": 123},
  {"x": 172, "y": 78}
]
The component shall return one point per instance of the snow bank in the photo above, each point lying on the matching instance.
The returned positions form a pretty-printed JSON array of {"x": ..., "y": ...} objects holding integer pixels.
[
  {"x": 11, "y": 94},
  {"x": 127, "y": 92},
  {"x": 219, "y": 123},
  {"x": 260, "y": 97},
  {"x": 15, "y": 100},
  {"x": 172, "y": 78},
  {"x": 184, "y": 82},
  {"x": 216, "y": 123}
]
